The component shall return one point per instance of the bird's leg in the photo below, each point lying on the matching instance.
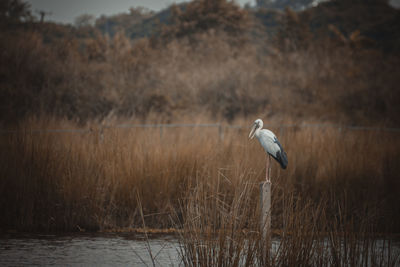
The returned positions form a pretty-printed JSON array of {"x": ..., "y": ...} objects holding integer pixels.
[{"x": 267, "y": 170}]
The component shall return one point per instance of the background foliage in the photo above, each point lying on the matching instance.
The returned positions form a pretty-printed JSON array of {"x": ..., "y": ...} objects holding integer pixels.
[{"x": 336, "y": 62}]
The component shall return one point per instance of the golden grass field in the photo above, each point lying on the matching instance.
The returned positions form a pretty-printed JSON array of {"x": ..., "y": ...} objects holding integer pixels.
[
  {"x": 56, "y": 181},
  {"x": 338, "y": 184}
]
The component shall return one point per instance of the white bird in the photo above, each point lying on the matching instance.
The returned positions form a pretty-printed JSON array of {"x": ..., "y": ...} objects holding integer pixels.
[{"x": 270, "y": 144}]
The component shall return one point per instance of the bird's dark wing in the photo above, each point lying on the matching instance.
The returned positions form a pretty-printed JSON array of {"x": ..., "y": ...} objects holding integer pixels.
[{"x": 281, "y": 156}]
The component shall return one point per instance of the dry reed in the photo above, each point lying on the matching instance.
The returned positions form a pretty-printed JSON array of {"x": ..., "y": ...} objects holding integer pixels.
[{"x": 340, "y": 185}]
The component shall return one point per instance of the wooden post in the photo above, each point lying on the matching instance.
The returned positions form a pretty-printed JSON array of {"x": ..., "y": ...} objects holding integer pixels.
[
  {"x": 101, "y": 135},
  {"x": 221, "y": 132},
  {"x": 265, "y": 204}
]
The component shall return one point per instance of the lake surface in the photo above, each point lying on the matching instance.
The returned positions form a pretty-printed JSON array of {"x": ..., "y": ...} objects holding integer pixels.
[
  {"x": 88, "y": 250},
  {"x": 106, "y": 249}
]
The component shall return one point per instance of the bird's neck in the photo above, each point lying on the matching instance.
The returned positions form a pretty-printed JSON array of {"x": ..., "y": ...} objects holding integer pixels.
[{"x": 257, "y": 133}]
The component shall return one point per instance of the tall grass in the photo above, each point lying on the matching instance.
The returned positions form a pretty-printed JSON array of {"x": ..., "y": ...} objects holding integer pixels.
[
  {"x": 221, "y": 231},
  {"x": 58, "y": 181},
  {"x": 340, "y": 190}
]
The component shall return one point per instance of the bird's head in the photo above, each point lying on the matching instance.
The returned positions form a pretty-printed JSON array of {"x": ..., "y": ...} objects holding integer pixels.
[{"x": 258, "y": 124}]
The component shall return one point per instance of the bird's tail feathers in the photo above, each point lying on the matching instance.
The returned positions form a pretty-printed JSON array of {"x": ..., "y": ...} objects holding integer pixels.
[
  {"x": 284, "y": 160},
  {"x": 281, "y": 157}
]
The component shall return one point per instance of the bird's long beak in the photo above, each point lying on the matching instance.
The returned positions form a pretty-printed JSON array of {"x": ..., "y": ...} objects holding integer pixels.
[{"x": 253, "y": 131}]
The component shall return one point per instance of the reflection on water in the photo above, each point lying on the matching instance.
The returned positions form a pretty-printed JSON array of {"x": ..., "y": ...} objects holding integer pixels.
[
  {"x": 126, "y": 249},
  {"x": 88, "y": 250}
]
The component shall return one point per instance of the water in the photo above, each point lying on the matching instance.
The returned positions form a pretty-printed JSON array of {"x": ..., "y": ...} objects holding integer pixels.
[
  {"x": 88, "y": 250},
  {"x": 123, "y": 249}
]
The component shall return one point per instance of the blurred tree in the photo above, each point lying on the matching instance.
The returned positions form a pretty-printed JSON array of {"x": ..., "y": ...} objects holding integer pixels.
[
  {"x": 201, "y": 16},
  {"x": 42, "y": 15},
  {"x": 282, "y": 4},
  {"x": 140, "y": 11},
  {"x": 294, "y": 33},
  {"x": 84, "y": 20},
  {"x": 14, "y": 11},
  {"x": 123, "y": 22}
]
